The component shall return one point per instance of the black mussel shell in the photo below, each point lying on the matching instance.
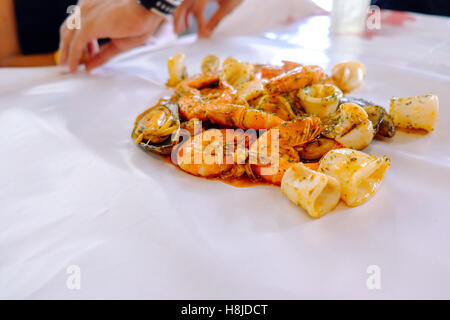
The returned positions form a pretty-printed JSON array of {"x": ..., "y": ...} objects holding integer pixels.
[
  {"x": 165, "y": 147},
  {"x": 380, "y": 118}
]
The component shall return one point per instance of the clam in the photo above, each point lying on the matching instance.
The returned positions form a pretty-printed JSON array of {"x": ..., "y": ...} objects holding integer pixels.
[
  {"x": 158, "y": 128},
  {"x": 381, "y": 120}
]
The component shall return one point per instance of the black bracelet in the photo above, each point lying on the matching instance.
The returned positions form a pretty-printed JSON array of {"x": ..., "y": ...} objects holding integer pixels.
[{"x": 161, "y": 7}]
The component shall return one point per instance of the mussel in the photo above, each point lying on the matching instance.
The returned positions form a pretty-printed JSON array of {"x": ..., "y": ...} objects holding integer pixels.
[
  {"x": 376, "y": 115},
  {"x": 381, "y": 120},
  {"x": 315, "y": 149},
  {"x": 158, "y": 128}
]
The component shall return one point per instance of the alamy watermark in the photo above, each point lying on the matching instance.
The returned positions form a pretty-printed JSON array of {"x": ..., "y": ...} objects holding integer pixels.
[
  {"x": 229, "y": 146},
  {"x": 373, "y": 282},
  {"x": 373, "y": 21},
  {"x": 73, "y": 281},
  {"x": 73, "y": 21}
]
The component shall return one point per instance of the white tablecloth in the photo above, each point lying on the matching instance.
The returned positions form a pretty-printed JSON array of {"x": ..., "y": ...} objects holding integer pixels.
[{"x": 76, "y": 191}]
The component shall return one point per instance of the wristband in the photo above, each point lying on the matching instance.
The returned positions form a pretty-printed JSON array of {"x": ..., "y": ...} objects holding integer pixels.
[{"x": 161, "y": 7}]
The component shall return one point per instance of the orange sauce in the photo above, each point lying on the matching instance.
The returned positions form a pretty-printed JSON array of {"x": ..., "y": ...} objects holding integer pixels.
[
  {"x": 244, "y": 181},
  {"x": 312, "y": 165},
  {"x": 419, "y": 132},
  {"x": 241, "y": 182}
]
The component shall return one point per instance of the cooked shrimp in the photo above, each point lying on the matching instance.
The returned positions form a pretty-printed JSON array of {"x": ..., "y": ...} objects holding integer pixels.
[
  {"x": 196, "y": 83},
  {"x": 215, "y": 152},
  {"x": 223, "y": 109},
  {"x": 295, "y": 79},
  {"x": 190, "y": 99},
  {"x": 232, "y": 115},
  {"x": 276, "y": 150},
  {"x": 239, "y": 116},
  {"x": 278, "y": 105},
  {"x": 270, "y": 71},
  {"x": 289, "y": 65}
]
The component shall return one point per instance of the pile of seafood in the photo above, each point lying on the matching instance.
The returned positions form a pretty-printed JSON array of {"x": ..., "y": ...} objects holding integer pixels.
[{"x": 290, "y": 125}]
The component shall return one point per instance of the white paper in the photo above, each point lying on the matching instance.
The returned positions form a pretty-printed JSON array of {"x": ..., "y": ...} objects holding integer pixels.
[{"x": 76, "y": 191}]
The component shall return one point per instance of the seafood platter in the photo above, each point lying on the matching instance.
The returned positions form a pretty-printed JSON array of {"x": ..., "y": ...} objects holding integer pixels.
[{"x": 293, "y": 126}]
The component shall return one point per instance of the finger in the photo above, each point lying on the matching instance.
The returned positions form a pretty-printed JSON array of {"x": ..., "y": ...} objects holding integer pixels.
[
  {"x": 187, "y": 23},
  {"x": 215, "y": 19},
  {"x": 178, "y": 18},
  {"x": 199, "y": 10},
  {"x": 92, "y": 49},
  {"x": 113, "y": 48},
  {"x": 182, "y": 14},
  {"x": 66, "y": 36},
  {"x": 221, "y": 13},
  {"x": 76, "y": 50},
  {"x": 106, "y": 53},
  {"x": 116, "y": 46}
]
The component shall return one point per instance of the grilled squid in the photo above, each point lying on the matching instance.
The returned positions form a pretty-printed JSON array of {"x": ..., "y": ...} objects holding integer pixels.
[
  {"x": 419, "y": 112},
  {"x": 350, "y": 126},
  {"x": 210, "y": 64},
  {"x": 381, "y": 120},
  {"x": 320, "y": 99},
  {"x": 314, "y": 191},
  {"x": 360, "y": 174},
  {"x": 251, "y": 90},
  {"x": 359, "y": 137},
  {"x": 348, "y": 75},
  {"x": 236, "y": 73},
  {"x": 177, "y": 69}
]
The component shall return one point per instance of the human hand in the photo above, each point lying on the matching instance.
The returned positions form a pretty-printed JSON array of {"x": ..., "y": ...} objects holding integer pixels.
[
  {"x": 197, "y": 7},
  {"x": 125, "y": 22}
]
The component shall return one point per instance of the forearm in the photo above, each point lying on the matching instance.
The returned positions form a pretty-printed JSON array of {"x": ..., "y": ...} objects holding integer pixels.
[
  {"x": 33, "y": 60},
  {"x": 9, "y": 45}
]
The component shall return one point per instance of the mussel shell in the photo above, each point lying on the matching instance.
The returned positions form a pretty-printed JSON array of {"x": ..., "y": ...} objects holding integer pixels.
[
  {"x": 165, "y": 147},
  {"x": 315, "y": 149},
  {"x": 360, "y": 102},
  {"x": 380, "y": 118},
  {"x": 387, "y": 127},
  {"x": 376, "y": 115}
]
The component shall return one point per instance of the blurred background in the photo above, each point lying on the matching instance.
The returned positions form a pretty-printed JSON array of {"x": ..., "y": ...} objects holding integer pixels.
[{"x": 29, "y": 30}]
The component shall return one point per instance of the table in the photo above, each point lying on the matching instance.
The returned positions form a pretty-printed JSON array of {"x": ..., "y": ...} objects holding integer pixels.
[{"x": 85, "y": 213}]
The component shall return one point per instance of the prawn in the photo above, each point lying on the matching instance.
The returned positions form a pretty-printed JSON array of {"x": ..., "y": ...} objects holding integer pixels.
[
  {"x": 224, "y": 109},
  {"x": 295, "y": 79},
  {"x": 277, "y": 149},
  {"x": 271, "y": 71},
  {"x": 216, "y": 152}
]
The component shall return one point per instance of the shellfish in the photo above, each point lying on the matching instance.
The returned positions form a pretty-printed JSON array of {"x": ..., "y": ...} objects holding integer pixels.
[
  {"x": 380, "y": 118},
  {"x": 158, "y": 129}
]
